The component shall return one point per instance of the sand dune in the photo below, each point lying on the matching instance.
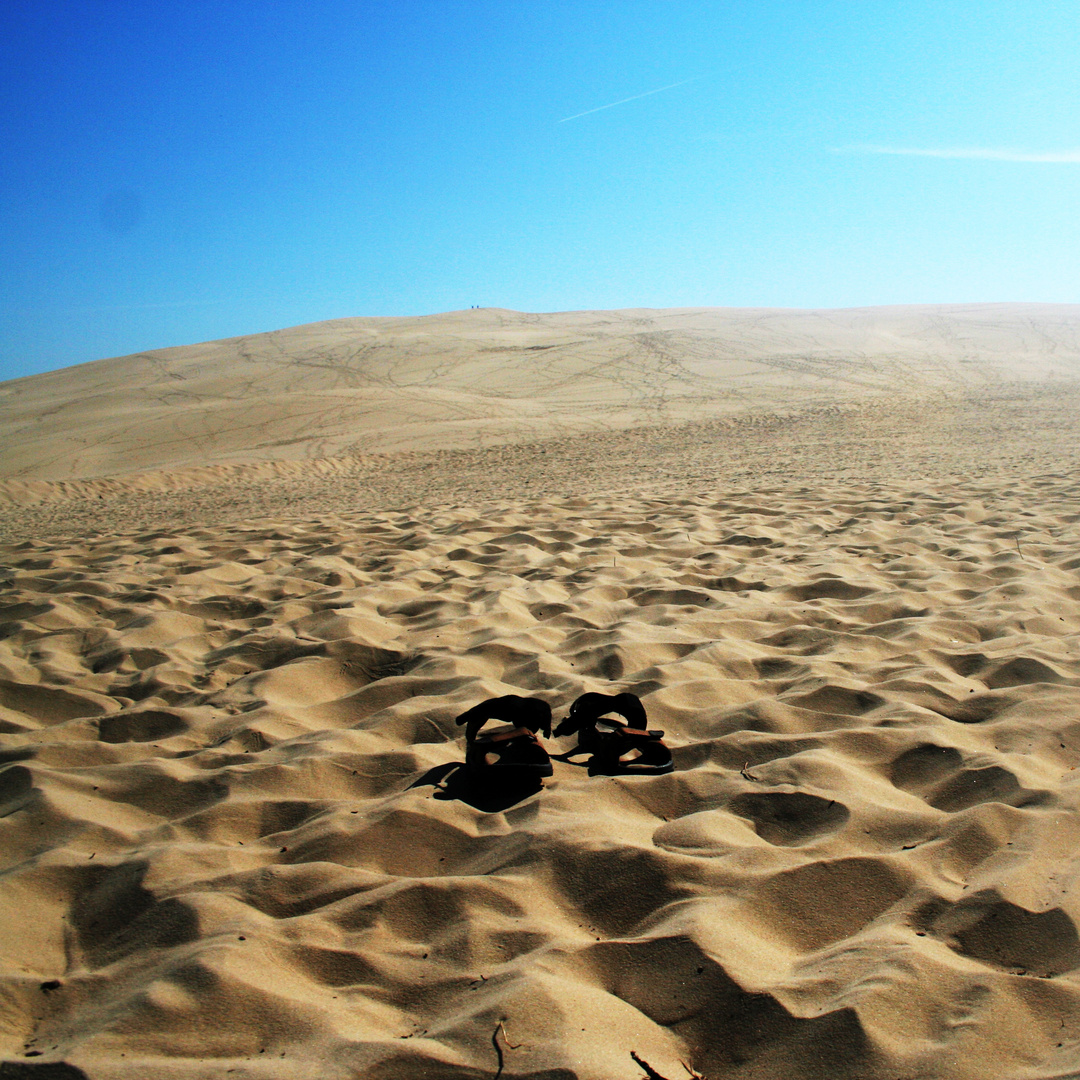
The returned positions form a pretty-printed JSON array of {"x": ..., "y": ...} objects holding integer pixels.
[
  {"x": 235, "y": 841},
  {"x": 478, "y": 378}
]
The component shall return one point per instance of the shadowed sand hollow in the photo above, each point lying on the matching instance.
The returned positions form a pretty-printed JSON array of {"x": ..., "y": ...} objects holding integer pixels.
[{"x": 231, "y": 844}]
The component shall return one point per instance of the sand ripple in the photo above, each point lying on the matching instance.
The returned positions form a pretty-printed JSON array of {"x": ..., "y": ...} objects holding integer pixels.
[{"x": 231, "y": 844}]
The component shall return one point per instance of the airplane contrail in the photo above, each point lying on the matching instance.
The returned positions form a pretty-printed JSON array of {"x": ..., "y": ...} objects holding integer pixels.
[{"x": 648, "y": 93}]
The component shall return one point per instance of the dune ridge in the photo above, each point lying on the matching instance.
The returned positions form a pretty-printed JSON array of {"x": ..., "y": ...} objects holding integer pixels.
[
  {"x": 470, "y": 379},
  {"x": 223, "y": 748}
]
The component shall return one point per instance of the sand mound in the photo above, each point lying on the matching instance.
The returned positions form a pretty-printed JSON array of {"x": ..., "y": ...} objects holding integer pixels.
[
  {"x": 468, "y": 379},
  {"x": 235, "y": 842}
]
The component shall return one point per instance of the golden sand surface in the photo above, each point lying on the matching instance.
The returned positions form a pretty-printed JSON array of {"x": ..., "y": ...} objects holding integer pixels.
[{"x": 236, "y": 842}]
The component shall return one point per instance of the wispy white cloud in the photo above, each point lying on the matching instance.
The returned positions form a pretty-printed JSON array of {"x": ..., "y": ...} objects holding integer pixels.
[
  {"x": 972, "y": 153},
  {"x": 648, "y": 93}
]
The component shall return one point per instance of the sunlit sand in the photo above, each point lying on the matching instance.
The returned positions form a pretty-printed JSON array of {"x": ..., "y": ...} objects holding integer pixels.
[{"x": 251, "y": 585}]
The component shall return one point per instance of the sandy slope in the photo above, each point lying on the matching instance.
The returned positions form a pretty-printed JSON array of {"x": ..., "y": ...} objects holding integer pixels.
[
  {"x": 475, "y": 378},
  {"x": 1017, "y": 429},
  {"x": 234, "y": 842}
]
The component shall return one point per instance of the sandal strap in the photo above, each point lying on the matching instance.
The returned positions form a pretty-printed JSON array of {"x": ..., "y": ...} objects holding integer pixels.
[
  {"x": 529, "y": 714},
  {"x": 503, "y": 736},
  {"x": 624, "y": 729}
]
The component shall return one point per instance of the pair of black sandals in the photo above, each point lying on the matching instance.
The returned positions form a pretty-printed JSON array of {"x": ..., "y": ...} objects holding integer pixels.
[{"x": 615, "y": 747}]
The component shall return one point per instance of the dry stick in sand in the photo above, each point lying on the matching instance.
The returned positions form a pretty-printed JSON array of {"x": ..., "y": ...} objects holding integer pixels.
[
  {"x": 498, "y": 1049},
  {"x": 652, "y": 1074}
]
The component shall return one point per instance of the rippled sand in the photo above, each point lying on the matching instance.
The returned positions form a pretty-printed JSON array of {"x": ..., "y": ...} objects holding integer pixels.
[
  {"x": 222, "y": 846},
  {"x": 235, "y": 842}
]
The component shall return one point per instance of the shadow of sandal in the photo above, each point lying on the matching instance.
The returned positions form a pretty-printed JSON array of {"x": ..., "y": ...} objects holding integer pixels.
[
  {"x": 453, "y": 781},
  {"x": 501, "y": 768}
]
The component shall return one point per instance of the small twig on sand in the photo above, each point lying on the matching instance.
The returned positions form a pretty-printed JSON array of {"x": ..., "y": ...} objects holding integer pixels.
[
  {"x": 747, "y": 774},
  {"x": 498, "y": 1049},
  {"x": 650, "y": 1072},
  {"x": 1018, "y": 551}
]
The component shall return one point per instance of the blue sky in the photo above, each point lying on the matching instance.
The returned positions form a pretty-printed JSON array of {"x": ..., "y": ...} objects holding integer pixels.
[{"x": 180, "y": 171}]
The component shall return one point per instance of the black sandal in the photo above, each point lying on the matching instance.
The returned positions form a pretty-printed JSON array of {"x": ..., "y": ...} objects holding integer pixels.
[
  {"x": 623, "y": 750},
  {"x": 514, "y": 751}
]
